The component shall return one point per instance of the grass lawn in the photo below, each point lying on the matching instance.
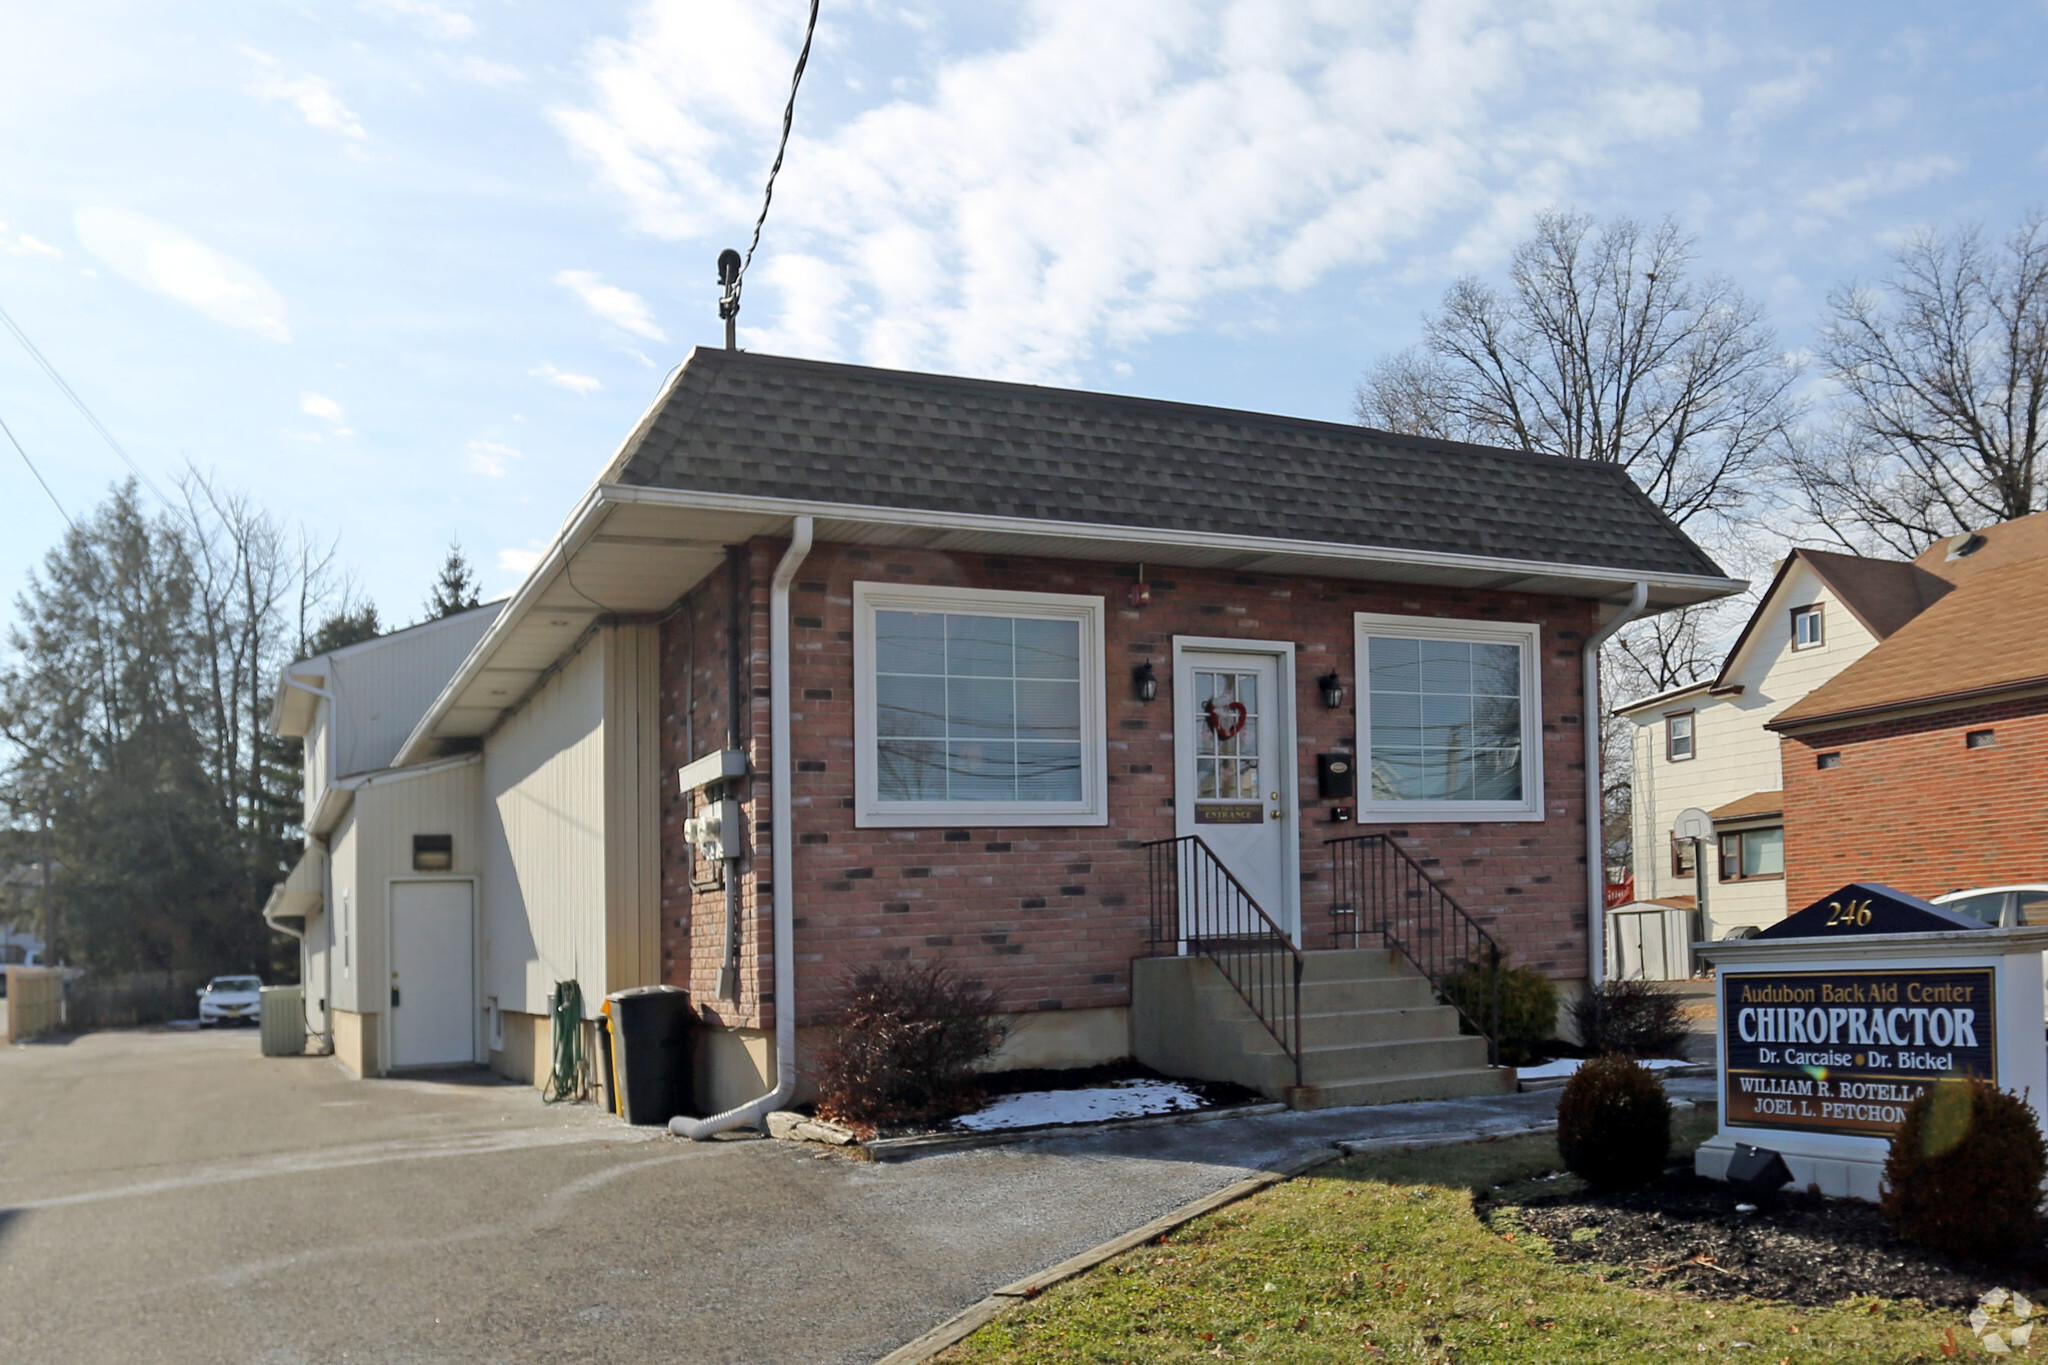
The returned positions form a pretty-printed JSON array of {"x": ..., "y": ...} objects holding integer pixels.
[{"x": 1381, "y": 1258}]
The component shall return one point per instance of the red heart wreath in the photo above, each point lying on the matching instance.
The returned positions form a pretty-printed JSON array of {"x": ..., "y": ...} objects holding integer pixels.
[{"x": 1226, "y": 729}]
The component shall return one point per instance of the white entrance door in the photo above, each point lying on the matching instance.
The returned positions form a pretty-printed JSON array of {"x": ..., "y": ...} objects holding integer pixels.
[
  {"x": 433, "y": 990},
  {"x": 1233, "y": 728}
]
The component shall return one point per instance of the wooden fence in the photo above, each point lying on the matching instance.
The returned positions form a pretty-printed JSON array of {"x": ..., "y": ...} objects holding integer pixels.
[{"x": 35, "y": 1001}]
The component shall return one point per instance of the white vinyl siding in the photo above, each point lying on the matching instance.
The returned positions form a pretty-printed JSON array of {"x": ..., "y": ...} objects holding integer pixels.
[
  {"x": 1450, "y": 718},
  {"x": 978, "y": 705}
]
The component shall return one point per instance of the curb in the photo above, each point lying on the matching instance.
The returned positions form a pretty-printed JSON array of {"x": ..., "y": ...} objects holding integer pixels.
[
  {"x": 963, "y": 1325},
  {"x": 898, "y": 1149}
]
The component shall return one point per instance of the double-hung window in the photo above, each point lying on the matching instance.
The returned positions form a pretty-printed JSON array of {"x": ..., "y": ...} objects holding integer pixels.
[
  {"x": 1450, "y": 718},
  {"x": 977, "y": 707},
  {"x": 1678, "y": 736}
]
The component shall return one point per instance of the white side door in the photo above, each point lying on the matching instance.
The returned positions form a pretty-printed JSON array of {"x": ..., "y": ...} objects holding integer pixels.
[
  {"x": 433, "y": 974},
  {"x": 1233, "y": 729}
]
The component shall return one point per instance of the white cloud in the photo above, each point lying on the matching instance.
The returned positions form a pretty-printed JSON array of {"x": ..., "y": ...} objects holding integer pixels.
[
  {"x": 312, "y": 96},
  {"x": 441, "y": 22},
  {"x": 488, "y": 458},
  {"x": 327, "y": 410},
  {"x": 1834, "y": 198},
  {"x": 517, "y": 562},
  {"x": 1108, "y": 170},
  {"x": 160, "y": 257},
  {"x": 21, "y": 244},
  {"x": 575, "y": 383},
  {"x": 620, "y": 307},
  {"x": 1766, "y": 101}
]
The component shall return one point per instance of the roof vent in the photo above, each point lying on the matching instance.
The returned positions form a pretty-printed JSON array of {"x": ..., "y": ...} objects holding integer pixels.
[
  {"x": 729, "y": 267},
  {"x": 1964, "y": 545}
]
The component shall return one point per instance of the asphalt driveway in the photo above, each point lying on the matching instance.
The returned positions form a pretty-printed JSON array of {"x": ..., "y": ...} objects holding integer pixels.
[{"x": 174, "y": 1196}]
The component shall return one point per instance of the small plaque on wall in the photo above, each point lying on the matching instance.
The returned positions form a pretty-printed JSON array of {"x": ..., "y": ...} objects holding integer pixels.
[{"x": 1229, "y": 812}]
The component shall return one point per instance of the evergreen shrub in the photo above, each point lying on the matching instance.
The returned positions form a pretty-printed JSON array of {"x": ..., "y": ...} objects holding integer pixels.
[
  {"x": 1614, "y": 1124},
  {"x": 1964, "y": 1171},
  {"x": 1528, "y": 1006}
]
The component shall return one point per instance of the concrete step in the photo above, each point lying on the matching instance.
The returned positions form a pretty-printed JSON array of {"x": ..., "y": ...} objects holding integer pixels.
[
  {"x": 1340, "y": 1027},
  {"x": 1437, "y": 1085},
  {"x": 1359, "y": 1061},
  {"x": 1330, "y": 997},
  {"x": 1341, "y": 964}
]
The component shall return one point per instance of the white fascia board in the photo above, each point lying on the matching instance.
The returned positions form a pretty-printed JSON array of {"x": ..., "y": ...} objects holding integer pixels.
[
  {"x": 1663, "y": 698},
  {"x": 380, "y": 777},
  {"x": 580, "y": 526},
  {"x": 1622, "y": 579}
]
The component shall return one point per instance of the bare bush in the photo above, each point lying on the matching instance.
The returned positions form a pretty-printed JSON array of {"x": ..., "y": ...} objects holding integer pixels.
[{"x": 906, "y": 1045}]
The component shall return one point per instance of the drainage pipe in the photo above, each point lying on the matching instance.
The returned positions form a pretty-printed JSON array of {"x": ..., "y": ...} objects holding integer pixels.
[
  {"x": 1596, "y": 794},
  {"x": 782, "y": 840}
]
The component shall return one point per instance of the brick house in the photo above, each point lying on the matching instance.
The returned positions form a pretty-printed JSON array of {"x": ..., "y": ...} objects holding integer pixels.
[
  {"x": 1924, "y": 765},
  {"x": 836, "y": 666}
]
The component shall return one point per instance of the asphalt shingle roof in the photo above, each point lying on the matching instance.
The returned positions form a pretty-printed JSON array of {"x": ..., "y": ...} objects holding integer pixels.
[{"x": 743, "y": 424}]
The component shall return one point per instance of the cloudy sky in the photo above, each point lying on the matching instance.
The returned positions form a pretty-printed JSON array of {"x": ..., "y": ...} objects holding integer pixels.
[{"x": 407, "y": 270}]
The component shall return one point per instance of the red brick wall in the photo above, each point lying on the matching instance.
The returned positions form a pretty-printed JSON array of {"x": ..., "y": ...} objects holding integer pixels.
[
  {"x": 1051, "y": 917},
  {"x": 1911, "y": 807}
]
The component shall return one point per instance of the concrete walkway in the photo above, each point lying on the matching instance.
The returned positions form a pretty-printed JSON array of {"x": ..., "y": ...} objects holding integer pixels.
[{"x": 177, "y": 1197}]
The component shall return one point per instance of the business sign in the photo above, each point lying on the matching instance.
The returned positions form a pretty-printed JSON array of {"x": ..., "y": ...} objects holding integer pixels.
[{"x": 1846, "y": 1051}]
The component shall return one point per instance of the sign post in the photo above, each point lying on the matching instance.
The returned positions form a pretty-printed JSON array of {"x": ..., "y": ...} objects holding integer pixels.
[
  {"x": 1833, "y": 1020},
  {"x": 1697, "y": 826}
]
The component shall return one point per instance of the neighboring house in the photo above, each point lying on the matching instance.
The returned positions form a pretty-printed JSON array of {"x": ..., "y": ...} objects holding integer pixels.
[
  {"x": 1707, "y": 747},
  {"x": 1925, "y": 764},
  {"x": 21, "y": 898},
  {"x": 352, "y": 708},
  {"x": 945, "y": 661}
]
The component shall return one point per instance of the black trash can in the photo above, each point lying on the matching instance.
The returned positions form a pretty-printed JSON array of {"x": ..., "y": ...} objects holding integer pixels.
[{"x": 651, "y": 1031}]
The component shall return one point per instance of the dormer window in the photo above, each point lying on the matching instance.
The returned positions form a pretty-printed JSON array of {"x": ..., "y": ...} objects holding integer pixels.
[{"x": 1808, "y": 629}]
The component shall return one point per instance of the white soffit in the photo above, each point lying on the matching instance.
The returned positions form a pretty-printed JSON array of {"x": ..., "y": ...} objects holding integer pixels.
[{"x": 634, "y": 551}]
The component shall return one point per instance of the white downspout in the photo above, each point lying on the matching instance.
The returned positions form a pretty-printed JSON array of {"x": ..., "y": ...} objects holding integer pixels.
[
  {"x": 783, "y": 868},
  {"x": 1596, "y": 802}
]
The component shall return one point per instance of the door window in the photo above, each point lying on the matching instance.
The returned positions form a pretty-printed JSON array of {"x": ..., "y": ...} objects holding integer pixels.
[{"x": 1227, "y": 737}]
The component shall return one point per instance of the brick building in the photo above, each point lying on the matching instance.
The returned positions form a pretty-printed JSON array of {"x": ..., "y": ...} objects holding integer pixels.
[
  {"x": 836, "y": 667},
  {"x": 1924, "y": 765}
]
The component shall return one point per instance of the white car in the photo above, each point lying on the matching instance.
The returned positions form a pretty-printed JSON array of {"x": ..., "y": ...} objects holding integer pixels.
[
  {"x": 2001, "y": 907},
  {"x": 231, "y": 1000}
]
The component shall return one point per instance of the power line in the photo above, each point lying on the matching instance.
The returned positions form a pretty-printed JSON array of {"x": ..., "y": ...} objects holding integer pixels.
[
  {"x": 79, "y": 403},
  {"x": 16, "y": 441},
  {"x": 788, "y": 118}
]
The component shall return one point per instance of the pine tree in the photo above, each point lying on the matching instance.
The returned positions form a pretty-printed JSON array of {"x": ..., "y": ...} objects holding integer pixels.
[{"x": 456, "y": 589}]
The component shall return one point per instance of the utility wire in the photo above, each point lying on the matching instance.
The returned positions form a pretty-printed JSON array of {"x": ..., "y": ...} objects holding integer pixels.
[
  {"x": 788, "y": 118},
  {"x": 16, "y": 441},
  {"x": 79, "y": 403}
]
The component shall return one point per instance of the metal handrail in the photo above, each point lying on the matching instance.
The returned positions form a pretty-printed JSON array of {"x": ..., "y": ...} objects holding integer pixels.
[
  {"x": 1380, "y": 889},
  {"x": 1199, "y": 906}
]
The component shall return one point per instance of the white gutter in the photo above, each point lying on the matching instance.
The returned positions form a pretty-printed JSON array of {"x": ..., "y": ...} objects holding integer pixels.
[
  {"x": 1596, "y": 796},
  {"x": 1136, "y": 538},
  {"x": 783, "y": 841}
]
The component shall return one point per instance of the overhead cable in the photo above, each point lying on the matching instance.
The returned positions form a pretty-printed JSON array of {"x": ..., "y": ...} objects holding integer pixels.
[
  {"x": 16, "y": 442},
  {"x": 86, "y": 412},
  {"x": 788, "y": 118}
]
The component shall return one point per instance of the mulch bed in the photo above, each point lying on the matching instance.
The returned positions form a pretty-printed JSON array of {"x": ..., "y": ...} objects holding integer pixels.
[{"x": 1684, "y": 1232}]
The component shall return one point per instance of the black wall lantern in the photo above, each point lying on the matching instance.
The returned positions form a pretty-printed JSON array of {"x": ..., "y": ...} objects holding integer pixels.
[
  {"x": 1333, "y": 690},
  {"x": 1144, "y": 682}
]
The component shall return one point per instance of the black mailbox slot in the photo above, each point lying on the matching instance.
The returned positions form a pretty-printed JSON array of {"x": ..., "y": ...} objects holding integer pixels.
[{"x": 1334, "y": 776}]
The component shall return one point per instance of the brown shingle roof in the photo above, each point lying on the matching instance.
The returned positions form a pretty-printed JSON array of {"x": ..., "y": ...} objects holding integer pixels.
[
  {"x": 1986, "y": 636},
  {"x": 1746, "y": 807}
]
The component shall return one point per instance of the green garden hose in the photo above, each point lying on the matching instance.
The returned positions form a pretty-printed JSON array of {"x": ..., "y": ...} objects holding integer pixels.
[{"x": 570, "y": 1080}]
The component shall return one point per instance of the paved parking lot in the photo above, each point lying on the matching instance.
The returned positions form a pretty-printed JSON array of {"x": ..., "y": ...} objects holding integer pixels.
[{"x": 174, "y": 1196}]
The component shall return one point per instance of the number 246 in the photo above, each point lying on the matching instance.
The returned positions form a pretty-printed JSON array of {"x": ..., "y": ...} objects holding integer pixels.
[{"x": 1855, "y": 913}]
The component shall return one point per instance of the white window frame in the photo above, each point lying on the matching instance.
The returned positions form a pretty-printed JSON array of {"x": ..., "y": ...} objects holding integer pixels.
[
  {"x": 1525, "y": 635},
  {"x": 870, "y": 812},
  {"x": 1817, "y": 613}
]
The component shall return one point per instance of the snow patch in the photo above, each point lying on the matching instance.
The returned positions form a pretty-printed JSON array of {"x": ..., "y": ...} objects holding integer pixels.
[
  {"x": 1565, "y": 1066},
  {"x": 1117, "y": 1100}
]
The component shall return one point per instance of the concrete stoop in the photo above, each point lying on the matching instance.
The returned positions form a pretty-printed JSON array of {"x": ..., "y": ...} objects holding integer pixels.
[{"x": 1372, "y": 1033}]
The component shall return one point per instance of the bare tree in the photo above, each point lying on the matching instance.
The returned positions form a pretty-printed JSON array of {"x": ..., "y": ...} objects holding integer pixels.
[
  {"x": 1944, "y": 370},
  {"x": 1602, "y": 347}
]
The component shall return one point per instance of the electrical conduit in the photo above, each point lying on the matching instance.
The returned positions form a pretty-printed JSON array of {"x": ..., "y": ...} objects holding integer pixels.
[
  {"x": 783, "y": 869},
  {"x": 1596, "y": 795}
]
